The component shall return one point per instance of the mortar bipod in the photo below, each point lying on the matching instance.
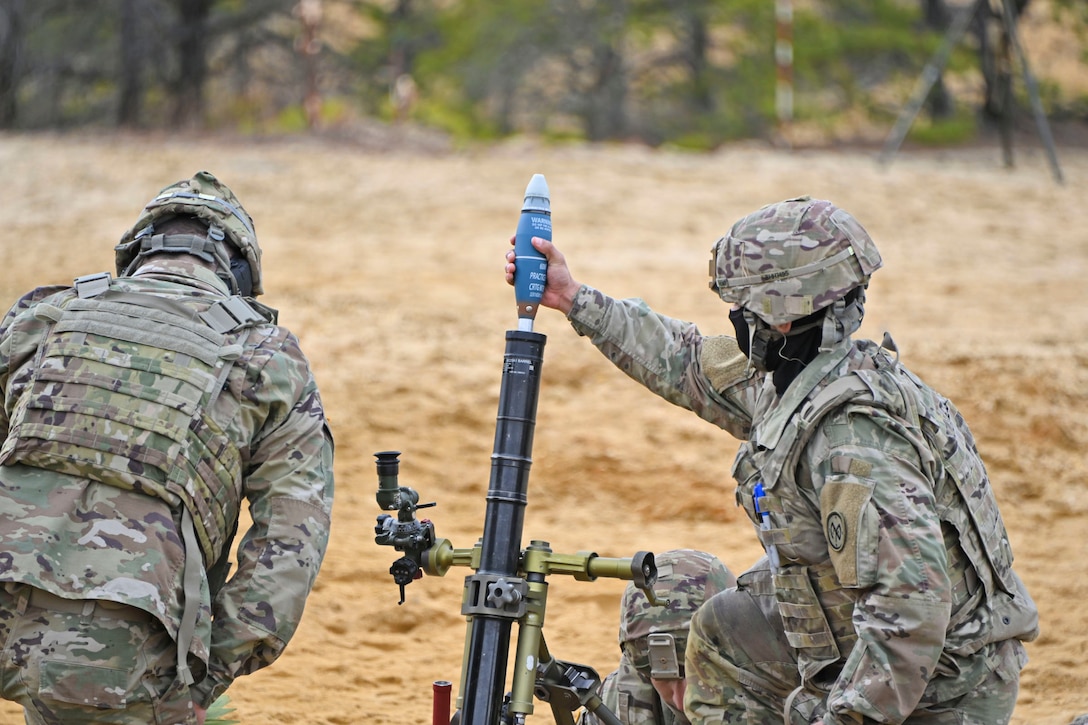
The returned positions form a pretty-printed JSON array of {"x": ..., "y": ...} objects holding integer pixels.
[{"x": 521, "y": 598}]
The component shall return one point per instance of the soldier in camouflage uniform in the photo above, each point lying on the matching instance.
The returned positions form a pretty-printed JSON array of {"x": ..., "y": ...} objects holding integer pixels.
[
  {"x": 648, "y": 686},
  {"x": 137, "y": 414},
  {"x": 888, "y": 593}
]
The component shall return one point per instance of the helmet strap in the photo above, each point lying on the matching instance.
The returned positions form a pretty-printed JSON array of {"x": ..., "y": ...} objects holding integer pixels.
[
  {"x": 209, "y": 248},
  {"x": 843, "y": 318}
]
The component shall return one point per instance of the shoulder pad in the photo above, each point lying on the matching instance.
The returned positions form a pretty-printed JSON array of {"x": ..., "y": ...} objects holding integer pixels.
[
  {"x": 271, "y": 314},
  {"x": 846, "y": 389},
  {"x": 886, "y": 391},
  {"x": 43, "y": 293},
  {"x": 234, "y": 313},
  {"x": 722, "y": 361}
]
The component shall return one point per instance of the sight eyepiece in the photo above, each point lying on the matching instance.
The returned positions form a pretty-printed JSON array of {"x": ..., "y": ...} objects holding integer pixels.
[{"x": 388, "y": 463}]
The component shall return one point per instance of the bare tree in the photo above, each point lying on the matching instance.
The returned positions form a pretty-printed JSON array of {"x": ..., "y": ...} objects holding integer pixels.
[
  {"x": 594, "y": 54},
  {"x": 192, "y": 50},
  {"x": 995, "y": 56},
  {"x": 308, "y": 46},
  {"x": 936, "y": 16},
  {"x": 693, "y": 34},
  {"x": 12, "y": 28},
  {"x": 133, "y": 55},
  {"x": 603, "y": 101}
]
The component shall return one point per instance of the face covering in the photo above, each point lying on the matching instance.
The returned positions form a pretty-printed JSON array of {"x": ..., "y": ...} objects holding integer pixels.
[
  {"x": 740, "y": 326},
  {"x": 784, "y": 356}
]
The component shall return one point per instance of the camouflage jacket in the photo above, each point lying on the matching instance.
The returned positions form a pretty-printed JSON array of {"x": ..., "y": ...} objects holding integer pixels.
[
  {"x": 632, "y": 698},
  {"x": 868, "y": 459},
  {"x": 78, "y": 538}
]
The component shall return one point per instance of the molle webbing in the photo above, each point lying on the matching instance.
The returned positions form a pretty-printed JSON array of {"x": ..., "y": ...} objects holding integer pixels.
[
  {"x": 817, "y": 614},
  {"x": 123, "y": 393}
]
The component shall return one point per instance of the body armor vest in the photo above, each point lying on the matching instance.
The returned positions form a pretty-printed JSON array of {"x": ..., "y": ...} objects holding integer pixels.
[
  {"x": 123, "y": 391},
  {"x": 816, "y": 607}
]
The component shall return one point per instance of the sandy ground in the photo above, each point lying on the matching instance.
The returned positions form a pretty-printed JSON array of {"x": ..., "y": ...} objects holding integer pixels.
[{"x": 388, "y": 265}]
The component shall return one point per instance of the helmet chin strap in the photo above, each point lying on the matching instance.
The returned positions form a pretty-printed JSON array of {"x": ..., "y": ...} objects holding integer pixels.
[{"x": 842, "y": 319}]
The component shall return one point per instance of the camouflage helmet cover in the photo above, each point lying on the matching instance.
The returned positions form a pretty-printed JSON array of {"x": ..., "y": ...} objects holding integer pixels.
[
  {"x": 210, "y": 200},
  {"x": 790, "y": 259},
  {"x": 686, "y": 578}
]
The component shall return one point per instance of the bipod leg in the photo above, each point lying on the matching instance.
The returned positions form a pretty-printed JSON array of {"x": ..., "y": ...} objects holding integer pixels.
[
  {"x": 926, "y": 81},
  {"x": 1041, "y": 124},
  {"x": 567, "y": 686},
  {"x": 597, "y": 707}
]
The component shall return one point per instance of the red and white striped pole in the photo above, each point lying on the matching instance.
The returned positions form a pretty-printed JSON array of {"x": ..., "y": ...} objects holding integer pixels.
[{"x": 783, "y": 58}]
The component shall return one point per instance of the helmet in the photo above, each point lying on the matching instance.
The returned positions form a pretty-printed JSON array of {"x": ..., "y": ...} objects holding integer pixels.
[
  {"x": 685, "y": 578},
  {"x": 790, "y": 259},
  {"x": 208, "y": 199}
]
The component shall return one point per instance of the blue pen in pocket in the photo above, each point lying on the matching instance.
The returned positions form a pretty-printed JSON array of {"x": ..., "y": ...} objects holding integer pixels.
[{"x": 765, "y": 525}]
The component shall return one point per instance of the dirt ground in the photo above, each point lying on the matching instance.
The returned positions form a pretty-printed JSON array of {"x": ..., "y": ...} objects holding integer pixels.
[{"x": 388, "y": 265}]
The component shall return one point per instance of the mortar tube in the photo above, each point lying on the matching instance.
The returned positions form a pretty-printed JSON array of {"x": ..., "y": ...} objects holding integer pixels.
[{"x": 488, "y": 639}]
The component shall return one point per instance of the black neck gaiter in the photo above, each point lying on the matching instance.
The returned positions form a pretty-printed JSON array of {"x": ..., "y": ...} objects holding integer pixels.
[
  {"x": 789, "y": 355},
  {"x": 796, "y": 352}
]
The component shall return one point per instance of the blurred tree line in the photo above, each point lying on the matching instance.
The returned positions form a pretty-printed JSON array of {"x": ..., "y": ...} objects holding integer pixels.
[{"x": 693, "y": 72}]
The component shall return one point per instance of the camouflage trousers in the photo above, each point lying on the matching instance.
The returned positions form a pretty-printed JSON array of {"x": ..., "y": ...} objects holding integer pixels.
[
  {"x": 740, "y": 669},
  {"x": 71, "y": 661}
]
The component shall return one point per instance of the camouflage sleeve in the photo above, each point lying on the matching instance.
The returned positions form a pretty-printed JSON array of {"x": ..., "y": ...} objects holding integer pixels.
[
  {"x": 6, "y": 366},
  {"x": 289, "y": 486},
  {"x": 18, "y": 342},
  {"x": 884, "y": 537},
  {"x": 666, "y": 356}
]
